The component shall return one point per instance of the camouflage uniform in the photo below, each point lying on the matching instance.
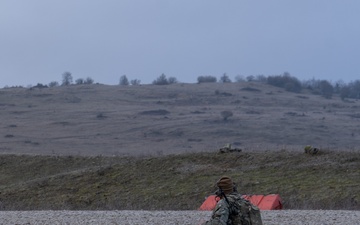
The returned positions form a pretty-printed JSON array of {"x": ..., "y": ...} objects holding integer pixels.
[
  {"x": 232, "y": 209},
  {"x": 223, "y": 214}
]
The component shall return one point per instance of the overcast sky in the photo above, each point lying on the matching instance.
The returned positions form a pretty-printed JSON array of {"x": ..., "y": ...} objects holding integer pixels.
[{"x": 105, "y": 39}]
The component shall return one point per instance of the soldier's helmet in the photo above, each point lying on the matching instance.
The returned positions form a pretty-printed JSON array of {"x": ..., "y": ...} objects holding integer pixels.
[{"x": 225, "y": 184}]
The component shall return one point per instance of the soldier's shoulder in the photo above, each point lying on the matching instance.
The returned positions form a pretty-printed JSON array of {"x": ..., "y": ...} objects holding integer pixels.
[
  {"x": 221, "y": 202},
  {"x": 235, "y": 196}
]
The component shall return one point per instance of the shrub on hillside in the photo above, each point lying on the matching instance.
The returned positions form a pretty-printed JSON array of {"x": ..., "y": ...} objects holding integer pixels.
[
  {"x": 226, "y": 114},
  {"x": 172, "y": 80},
  {"x": 88, "y": 80},
  {"x": 53, "y": 84},
  {"x": 158, "y": 112},
  {"x": 135, "y": 82},
  {"x": 206, "y": 79},
  {"x": 250, "y": 78},
  {"x": 326, "y": 89},
  {"x": 260, "y": 78},
  {"x": 286, "y": 81},
  {"x": 338, "y": 86},
  {"x": 320, "y": 87},
  {"x": 250, "y": 89},
  {"x": 79, "y": 81},
  {"x": 161, "y": 80},
  {"x": 344, "y": 92},
  {"x": 67, "y": 78},
  {"x": 217, "y": 92},
  {"x": 40, "y": 86},
  {"x": 124, "y": 80},
  {"x": 354, "y": 89},
  {"x": 225, "y": 78},
  {"x": 239, "y": 78}
]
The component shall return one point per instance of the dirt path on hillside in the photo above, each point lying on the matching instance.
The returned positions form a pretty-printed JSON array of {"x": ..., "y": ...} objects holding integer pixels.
[{"x": 289, "y": 217}]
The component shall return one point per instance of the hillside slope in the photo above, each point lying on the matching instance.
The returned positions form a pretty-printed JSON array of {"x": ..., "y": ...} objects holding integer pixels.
[
  {"x": 328, "y": 180},
  {"x": 160, "y": 120},
  {"x": 156, "y": 147}
]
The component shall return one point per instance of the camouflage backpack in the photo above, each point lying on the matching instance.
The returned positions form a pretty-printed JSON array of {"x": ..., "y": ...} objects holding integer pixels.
[{"x": 242, "y": 212}]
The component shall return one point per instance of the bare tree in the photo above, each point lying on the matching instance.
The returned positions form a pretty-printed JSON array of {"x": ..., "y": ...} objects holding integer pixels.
[
  {"x": 67, "y": 78},
  {"x": 124, "y": 80},
  {"x": 135, "y": 82},
  {"x": 239, "y": 78},
  {"x": 225, "y": 78},
  {"x": 172, "y": 80}
]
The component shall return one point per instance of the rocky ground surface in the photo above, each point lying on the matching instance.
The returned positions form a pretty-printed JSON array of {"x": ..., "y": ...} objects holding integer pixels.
[{"x": 288, "y": 217}]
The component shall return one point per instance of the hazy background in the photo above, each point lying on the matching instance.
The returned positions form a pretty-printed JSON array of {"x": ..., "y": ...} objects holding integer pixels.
[{"x": 105, "y": 39}]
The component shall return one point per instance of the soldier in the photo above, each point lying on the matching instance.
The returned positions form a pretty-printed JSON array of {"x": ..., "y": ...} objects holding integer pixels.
[{"x": 232, "y": 209}]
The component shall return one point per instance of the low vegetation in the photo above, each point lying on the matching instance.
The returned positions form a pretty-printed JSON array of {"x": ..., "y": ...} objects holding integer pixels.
[
  {"x": 327, "y": 180},
  {"x": 206, "y": 79},
  {"x": 286, "y": 81},
  {"x": 163, "y": 80},
  {"x": 155, "y": 147}
]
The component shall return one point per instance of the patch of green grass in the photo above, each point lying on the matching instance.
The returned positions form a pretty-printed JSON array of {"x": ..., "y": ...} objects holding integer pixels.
[{"x": 177, "y": 182}]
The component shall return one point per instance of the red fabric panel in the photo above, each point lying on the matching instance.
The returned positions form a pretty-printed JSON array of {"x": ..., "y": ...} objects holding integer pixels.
[
  {"x": 271, "y": 202},
  {"x": 209, "y": 203},
  {"x": 264, "y": 202}
]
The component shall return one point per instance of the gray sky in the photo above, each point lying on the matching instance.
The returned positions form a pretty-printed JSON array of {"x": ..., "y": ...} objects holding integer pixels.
[{"x": 104, "y": 39}]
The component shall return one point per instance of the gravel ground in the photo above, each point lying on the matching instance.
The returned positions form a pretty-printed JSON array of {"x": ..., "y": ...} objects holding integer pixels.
[{"x": 308, "y": 217}]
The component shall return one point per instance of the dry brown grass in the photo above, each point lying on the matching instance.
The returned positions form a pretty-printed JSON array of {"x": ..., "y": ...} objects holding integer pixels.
[
  {"x": 289, "y": 217},
  {"x": 327, "y": 180},
  {"x": 165, "y": 122},
  {"x": 158, "y": 120}
]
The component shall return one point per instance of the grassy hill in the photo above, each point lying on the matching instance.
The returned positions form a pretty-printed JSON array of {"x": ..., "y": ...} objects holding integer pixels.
[
  {"x": 156, "y": 147},
  {"x": 157, "y": 120},
  {"x": 177, "y": 182}
]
